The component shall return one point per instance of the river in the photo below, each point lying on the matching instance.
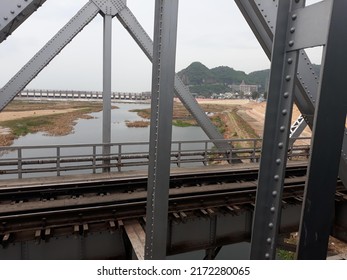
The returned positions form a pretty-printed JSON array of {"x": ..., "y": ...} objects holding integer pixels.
[{"x": 87, "y": 131}]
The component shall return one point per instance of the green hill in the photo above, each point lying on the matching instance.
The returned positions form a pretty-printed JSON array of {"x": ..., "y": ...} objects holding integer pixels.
[
  {"x": 227, "y": 75},
  {"x": 197, "y": 74},
  {"x": 259, "y": 78},
  {"x": 204, "y": 81}
]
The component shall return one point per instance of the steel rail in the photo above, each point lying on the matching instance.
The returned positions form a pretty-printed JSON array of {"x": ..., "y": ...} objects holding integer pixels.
[
  {"x": 180, "y": 201},
  {"x": 235, "y": 200}
]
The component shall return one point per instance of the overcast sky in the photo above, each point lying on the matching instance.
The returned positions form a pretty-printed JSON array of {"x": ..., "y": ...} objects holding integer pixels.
[{"x": 213, "y": 32}]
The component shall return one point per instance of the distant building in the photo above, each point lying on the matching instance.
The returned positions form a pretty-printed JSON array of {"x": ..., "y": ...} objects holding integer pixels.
[{"x": 246, "y": 89}]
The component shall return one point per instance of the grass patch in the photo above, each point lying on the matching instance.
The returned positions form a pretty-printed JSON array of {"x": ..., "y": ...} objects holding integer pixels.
[
  {"x": 27, "y": 125},
  {"x": 55, "y": 124},
  {"x": 243, "y": 125},
  {"x": 181, "y": 117},
  {"x": 181, "y": 123},
  {"x": 285, "y": 255},
  {"x": 217, "y": 121}
]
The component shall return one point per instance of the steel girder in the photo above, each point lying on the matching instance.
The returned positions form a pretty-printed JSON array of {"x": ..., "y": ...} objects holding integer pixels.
[
  {"x": 107, "y": 87},
  {"x": 327, "y": 139},
  {"x": 70, "y": 30},
  {"x": 103, "y": 241},
  {"x": 261, "y": 17},
  {"x": 327, "y": 131},
  {"x": 110, "y": 7},
  {"x": 276, "y": 136},
  {"x": 14, "y": 12},
  {"x": 164, "y": 59}
]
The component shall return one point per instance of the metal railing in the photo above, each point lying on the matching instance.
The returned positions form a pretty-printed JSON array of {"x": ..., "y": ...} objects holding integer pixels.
[{"x": 57, "y": 160}]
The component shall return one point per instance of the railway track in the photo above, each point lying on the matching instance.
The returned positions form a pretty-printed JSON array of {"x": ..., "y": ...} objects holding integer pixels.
[{"x": 40, "y": 211}]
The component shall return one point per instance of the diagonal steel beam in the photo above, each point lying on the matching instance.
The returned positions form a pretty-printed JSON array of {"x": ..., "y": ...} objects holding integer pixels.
[
  {"x": 262, "y": 25},
  {"x": 261, "y": 17},
  {"x": 14, "y": 13},
  {"x": 47, "y": 53},
  {"x": 131, "y": 24},
  {"x": 262, "y": 22}
]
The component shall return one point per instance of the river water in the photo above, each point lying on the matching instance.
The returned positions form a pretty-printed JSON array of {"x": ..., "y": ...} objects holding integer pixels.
[{"x": 87, "y": 131}]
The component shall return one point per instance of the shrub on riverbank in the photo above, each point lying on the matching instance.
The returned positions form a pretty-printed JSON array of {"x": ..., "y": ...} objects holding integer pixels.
[{"x": 137, "y": 123}]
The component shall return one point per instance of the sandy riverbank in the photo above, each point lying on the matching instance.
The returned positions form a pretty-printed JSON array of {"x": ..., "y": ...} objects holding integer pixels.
[
  {"x": 223, "y": 101},
  {"x": 13, "y": 115},
  {"x": 235, "y": 118},
  {"x": 54, "y": 118}
]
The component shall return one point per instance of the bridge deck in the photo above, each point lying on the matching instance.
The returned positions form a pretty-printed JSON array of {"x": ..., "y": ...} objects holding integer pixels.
[
  {"x": 206, "y": 211},
  {"x": 130, "y": 174}
]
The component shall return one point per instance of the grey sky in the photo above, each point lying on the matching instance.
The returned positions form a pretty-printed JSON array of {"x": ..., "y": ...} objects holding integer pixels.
[{"x": 210, "y": 31}]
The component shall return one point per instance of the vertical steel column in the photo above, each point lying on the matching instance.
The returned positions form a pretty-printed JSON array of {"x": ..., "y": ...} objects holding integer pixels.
[
  {"x": 276, "y": 135},
  {"x": 328, "y": 132},
  {"x": 107, "y": 68},
  {"x": 164, "y": 56}
]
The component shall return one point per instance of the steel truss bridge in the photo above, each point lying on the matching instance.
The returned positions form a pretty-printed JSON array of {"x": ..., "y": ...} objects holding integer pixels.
[{"x": 153, "y": 220}]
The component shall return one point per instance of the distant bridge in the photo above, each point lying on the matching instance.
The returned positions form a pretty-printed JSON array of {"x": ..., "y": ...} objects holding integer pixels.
[{"x": 74, "y": 94}]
